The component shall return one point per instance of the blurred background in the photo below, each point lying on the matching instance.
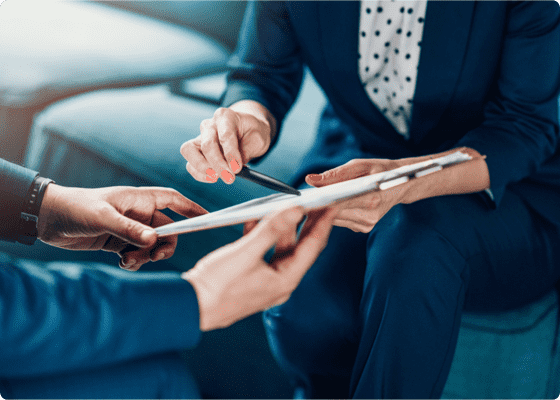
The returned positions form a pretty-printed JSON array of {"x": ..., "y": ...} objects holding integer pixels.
[{"x": 101, "y": 93}]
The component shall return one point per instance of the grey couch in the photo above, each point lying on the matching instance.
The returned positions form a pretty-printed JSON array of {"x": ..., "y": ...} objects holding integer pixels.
[{"x": 114, "y": 135}]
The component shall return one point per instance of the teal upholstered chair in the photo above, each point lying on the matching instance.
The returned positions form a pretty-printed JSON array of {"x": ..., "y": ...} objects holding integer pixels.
[{"x": 131, "y": 136}]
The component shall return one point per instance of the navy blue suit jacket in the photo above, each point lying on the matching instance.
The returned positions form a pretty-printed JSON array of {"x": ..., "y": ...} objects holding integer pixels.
[
  {"x": 488, "y": 78},
  {"x": 59, "y": 317}
]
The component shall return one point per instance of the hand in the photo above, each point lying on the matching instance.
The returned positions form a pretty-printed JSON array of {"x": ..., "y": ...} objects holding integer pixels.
[
  {"x": 234, "y": 282},
  {"x": 228, "y": 140},
  {"x": 360, "y": 214},
  {"x": 112, "y": 219}
]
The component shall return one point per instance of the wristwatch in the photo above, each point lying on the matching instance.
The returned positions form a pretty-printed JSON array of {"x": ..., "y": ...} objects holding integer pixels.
[{"x": 30, "y": 213}]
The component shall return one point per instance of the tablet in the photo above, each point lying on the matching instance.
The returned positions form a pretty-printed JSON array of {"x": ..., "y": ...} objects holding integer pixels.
[{"x": 312, "y": 198}]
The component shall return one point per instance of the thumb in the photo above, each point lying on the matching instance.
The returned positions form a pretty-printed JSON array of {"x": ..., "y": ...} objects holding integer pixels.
[
  {"x": 127, "y": 229},
  {"x": 269, "y": 231},
  {"x": 350, "y": 170}
]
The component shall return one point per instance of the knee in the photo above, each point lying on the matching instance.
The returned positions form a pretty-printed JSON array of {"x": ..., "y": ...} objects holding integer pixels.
[
  {"x": 310, "y": 333},
  {"x": 310, "y": 313},
  {"x": 407, "y": 253}
]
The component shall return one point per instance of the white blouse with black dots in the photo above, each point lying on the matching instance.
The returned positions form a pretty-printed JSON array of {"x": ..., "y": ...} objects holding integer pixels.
[{"x": 390, "y": 41}]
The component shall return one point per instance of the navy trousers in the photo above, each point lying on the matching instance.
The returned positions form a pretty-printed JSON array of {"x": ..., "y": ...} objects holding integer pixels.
[
  {"x": 162, "y": 376},
  {"x": 378, "y": 315}
]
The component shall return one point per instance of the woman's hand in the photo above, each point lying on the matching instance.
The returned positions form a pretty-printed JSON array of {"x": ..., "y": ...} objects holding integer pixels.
[
  {"x": 234, "y": 281},
  {"x": 112, "y": 219},
  {"x": 360, "y": 214},
  {"x": 228, "y": 140}
]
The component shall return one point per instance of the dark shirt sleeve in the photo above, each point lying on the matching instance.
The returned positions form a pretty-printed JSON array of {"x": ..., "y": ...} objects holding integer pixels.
[
  {"x": 61, "y": 317},
  {"x": 15, "y": 182},
  {"x": 520, "y": 127},
  {"x": 266, "y": 66}
]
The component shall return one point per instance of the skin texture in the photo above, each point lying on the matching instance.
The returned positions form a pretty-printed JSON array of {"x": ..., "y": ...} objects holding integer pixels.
[
  {"x": 360, "y": 214},
  {"x": 228, "y": 140},
  {"x": 231, "y": 283},
  {"x": 245, "y": 130},
  {"x": 234, "y": 281},
  {"x": 111, "y": 219}
]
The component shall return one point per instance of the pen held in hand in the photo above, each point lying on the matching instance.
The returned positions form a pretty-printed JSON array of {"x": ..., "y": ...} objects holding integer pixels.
[{"x": 266, "y": 181}]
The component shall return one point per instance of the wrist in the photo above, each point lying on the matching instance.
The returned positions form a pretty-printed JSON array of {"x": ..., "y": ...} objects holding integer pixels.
[
  {"x": 205, "y": 302},
  {"x": 51, "y": 193},
  {"x": 31, "y": 209},
  {"x": 468, "y": 177}
]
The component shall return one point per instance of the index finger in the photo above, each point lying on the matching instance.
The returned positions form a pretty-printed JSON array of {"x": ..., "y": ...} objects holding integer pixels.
[
  {"x": 313, "y": 240},
  {"x": 267, "y": 232},
  {"x": 172, "y": 199},
  {"x": 229, "y": 140}
]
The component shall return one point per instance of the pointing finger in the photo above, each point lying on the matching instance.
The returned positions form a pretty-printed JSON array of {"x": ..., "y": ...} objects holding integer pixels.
[
  {"x": 350, "y": 170},
  {"x": 269, "y": 231}
]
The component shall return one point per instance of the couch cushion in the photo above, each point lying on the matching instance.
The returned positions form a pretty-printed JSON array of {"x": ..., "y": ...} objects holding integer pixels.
[
  {"x": 51, "y": 49},
  {"x": 508, "y": 355},
  {"x": 216, "y": 18}
]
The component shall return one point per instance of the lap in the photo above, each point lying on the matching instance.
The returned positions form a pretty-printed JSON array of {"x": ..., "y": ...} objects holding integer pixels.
[
  {"x": 509, "y": 252},
  {"x": 324, "y": 307},
  {"x": 444, "y": 254}
]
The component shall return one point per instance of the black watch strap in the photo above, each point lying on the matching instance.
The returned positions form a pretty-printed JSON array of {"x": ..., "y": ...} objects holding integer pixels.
[{"x": 30, "y": 212}]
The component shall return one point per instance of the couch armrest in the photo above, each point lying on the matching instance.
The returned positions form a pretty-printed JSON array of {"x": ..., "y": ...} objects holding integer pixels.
[
  {"x": 218, "y": 19},
  {"x": 51, "y": 50}
]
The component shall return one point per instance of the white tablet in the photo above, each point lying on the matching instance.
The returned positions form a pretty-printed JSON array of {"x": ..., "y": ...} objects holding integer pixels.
[{"x": 312, "y": 198}]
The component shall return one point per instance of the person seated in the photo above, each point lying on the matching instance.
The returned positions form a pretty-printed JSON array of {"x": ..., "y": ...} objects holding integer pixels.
[
  {"x": 406, "y": 81},
  {"x": 95, "y": 331}
]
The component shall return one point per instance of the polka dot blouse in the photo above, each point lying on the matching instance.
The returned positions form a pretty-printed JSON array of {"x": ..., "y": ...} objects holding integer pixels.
[{"x": 390, "y": 41}]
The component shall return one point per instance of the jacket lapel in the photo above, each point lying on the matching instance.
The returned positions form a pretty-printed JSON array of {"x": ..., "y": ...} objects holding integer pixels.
[
  {"x": 444, "y": 43},
  {"x": 339, "y": 24}
]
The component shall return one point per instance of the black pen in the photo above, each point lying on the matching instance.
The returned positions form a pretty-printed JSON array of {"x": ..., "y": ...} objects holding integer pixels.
[{"x": 266, "y": 181}]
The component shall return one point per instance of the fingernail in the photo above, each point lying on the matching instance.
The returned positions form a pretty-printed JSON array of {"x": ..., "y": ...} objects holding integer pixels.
[
  {"x": 314, "y": 177},
  {"x": 234, "y": 165},
  {"x": 160, "y": 256},
  {"x": 130, "y": 263},
  {"x": 227, "y": 176},
  {"x": 147, "y": 235},
  {"x": 211, "y": 173}
]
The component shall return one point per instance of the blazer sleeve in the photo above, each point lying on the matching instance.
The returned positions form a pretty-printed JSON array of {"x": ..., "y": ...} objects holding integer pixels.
[
  {"x": 520, "y": 131},
  {"x": 61, "y": 317},
  {"x": 267, "y": 65},
  {"x": 15, "y": 182}
]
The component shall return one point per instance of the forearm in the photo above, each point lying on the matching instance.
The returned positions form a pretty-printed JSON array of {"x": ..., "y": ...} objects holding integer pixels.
[
  {"x": 519, "y": 131},
  {"x": 62, "y": 316},
  {"x": 468, "y": 177}
]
